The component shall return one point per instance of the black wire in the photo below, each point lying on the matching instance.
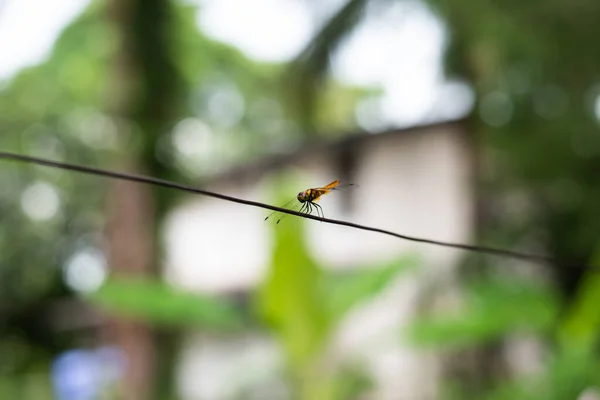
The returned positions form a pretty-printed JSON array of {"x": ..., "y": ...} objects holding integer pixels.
[{"x": 191, "y": 189}]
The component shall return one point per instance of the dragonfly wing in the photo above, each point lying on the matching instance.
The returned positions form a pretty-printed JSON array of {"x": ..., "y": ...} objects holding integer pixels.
[
  {"x": 332, "y": 185},
  {"x": 326, "y": 189},
  {"x": 279, "y": 214},
  {"x": 335, "y": 185},
  {"x": 345, "y": 186},
  {"x": 298, "y": 207}
]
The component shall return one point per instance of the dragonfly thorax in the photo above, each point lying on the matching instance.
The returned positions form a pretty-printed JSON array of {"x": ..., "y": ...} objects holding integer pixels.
[{"x": 309, "y": 195}]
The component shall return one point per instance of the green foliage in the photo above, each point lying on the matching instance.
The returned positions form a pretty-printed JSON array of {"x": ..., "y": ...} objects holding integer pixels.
[
  {"x": 344, "y": 291},
  {"x": 519, "y": 49},
  {"x": 156, "y": 303},
  {"x": 351, "y": 381},
  {"x": 60, "y": 109},
  {"x": 290, "y": 300},
  {"x": 565, "y": 377},
  {"x": 32, "y": 385},
  {"x": 541, "y": 59},
  {"x": 308, "y": 72},
  {"x": 496, "y": 308},
  {"x": 491, "y": 310},
  {"x": 581, "y": 325}
]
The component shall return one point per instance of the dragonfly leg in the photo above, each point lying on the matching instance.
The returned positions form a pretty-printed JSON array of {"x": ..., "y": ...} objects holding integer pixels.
[
  {"x": 318, "y": 207},
  {"x": 303, "y": 209}
]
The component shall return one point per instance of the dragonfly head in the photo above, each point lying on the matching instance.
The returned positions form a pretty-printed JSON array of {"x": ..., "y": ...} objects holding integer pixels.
[{"x": 301, "y": 197}]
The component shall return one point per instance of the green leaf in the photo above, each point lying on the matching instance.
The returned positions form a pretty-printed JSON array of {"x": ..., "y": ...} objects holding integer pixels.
[
  {"x": 492, "y": 310},
  {"x": 566, "y": 376},
  {"x": 303, "y": 303},
  {"x": 580, "y": 328},
  {"x": 346, "y": 291},
  {"x": 308, "y": 70},
  {"x": 157, "y": 303},
  {"x": 290, "y": 299}
]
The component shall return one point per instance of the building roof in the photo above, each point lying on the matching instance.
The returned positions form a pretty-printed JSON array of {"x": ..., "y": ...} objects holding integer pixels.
[{"x": 347, "y": 142}]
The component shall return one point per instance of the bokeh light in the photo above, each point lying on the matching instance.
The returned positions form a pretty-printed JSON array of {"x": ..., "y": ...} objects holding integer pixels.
[
  {"x": 40, "y": 201},
  {"x": 496, "y": 109},
  {"x": 86, "y": 270},
  {"x": 550, "y": 101}
]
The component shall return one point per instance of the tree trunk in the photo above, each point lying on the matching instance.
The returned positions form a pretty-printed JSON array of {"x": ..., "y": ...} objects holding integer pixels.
[
  {"x": 144, "y": 97},
  {"x": 130, "y": 237}
]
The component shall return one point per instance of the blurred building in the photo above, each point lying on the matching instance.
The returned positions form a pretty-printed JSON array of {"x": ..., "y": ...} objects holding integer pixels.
[{"x": 416, "y": 181}]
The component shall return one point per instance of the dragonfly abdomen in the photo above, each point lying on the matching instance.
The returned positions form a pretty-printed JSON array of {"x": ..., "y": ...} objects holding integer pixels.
[{"x": 316, "y": 193}]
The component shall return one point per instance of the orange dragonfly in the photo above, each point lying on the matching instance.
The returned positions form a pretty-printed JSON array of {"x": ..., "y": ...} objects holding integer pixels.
[{"x": 308, "y": 199}]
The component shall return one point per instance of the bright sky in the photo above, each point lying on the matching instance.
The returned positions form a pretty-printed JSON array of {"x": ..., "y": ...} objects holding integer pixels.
[
  {"x": 398, "y": 48},
  {"x": 29, "y": 28}
]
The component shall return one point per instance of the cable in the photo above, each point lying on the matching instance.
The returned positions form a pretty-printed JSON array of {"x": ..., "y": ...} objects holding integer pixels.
[{"x": 172, "y": 185}]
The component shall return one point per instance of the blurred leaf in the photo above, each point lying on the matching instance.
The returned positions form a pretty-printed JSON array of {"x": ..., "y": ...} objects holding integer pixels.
[
  {"x": 291, "y": 302},
  {"x": 565, "y": 377},
  {"x": 346, "y": 291},
  {"x": 158, "y": 303},
  {"x": 303, "y": 303},
  {"x": 352, "y": 380},
  {"x": 315, "y": 57},
  {"x": 289, "y": 298},
  {"x": 492, "y": 309},
  {"x": 308, "y": 70},
  {"x": 580, "y": 328}
]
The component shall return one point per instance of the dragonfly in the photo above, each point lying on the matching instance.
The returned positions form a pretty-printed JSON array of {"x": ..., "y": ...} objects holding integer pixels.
[{"x": 308, "y": 199}]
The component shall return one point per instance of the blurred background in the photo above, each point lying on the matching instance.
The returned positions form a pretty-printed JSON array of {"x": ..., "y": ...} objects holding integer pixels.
[{"x": 472, "y": 121}]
